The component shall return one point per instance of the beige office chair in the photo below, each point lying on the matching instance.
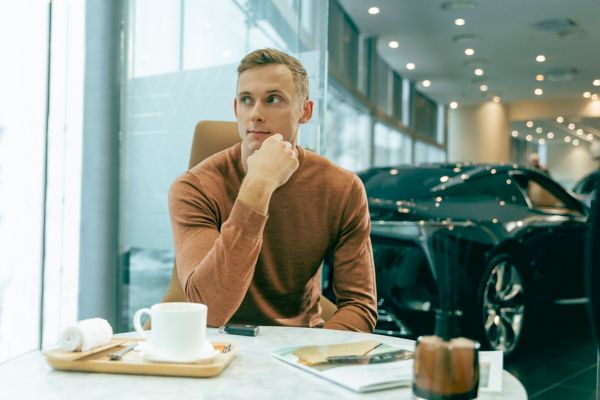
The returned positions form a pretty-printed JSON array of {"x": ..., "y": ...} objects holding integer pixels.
[{"x": 211, "y": 137}]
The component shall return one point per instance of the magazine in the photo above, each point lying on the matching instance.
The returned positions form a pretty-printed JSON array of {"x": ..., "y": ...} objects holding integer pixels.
[
  {"x": 370, "y": 365},
  {"x": 360, "y": 366}
]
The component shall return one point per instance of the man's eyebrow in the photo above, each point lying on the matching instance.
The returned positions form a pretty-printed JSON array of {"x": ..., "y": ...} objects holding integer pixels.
[{"x": 270, "y": 91}]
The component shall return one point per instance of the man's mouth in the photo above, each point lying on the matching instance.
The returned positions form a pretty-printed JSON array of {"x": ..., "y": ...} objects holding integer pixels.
[{"x": 259, "y": 132}]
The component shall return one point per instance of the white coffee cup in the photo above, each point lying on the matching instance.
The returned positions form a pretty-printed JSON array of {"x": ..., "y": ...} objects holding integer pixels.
[{"x": 178, "y": 329}]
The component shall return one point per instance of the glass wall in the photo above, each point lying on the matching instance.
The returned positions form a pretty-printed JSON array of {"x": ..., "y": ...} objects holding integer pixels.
[
  {"x": 344, "y": 49},
  {"x": 368, "y": 80},
  {"x": 181, "y": 65},
  {"x": 391, "y": 146},
  {"x": 425, "y": 115},
  {"x": 428, "y": 153},
  {"x": 347, "y": 131},
  {"x": 23, "y": 79}
]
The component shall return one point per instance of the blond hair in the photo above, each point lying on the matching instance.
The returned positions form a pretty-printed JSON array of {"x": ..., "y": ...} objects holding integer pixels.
[{"x": 260, "y": 57}]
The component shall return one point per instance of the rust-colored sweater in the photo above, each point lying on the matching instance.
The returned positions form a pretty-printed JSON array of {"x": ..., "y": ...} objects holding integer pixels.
[{"x": 251, "y": 268}]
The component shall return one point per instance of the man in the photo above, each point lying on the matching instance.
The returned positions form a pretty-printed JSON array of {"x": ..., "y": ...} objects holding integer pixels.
[
  {"x": 253, "y": 223},
  {"x": 534, "y": 163}
]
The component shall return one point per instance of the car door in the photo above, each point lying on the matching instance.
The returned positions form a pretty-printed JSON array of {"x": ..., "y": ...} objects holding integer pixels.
[{"x": 556, "y": 237}]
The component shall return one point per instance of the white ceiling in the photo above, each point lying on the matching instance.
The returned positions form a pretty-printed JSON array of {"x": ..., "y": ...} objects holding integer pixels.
[{"x": 507, "y": 42}]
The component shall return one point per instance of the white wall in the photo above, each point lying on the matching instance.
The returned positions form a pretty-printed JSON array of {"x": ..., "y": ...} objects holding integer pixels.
[{"x": 568, "y": 163}]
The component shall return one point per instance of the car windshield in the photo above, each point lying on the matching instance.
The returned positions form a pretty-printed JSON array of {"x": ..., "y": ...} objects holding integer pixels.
[{"x": 407, "y": 183}]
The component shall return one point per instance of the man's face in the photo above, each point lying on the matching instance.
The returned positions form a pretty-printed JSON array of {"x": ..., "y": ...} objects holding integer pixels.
[{"x": 267, "y": 103}]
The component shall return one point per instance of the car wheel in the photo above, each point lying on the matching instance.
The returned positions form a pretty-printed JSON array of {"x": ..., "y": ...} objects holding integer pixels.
[{"x": 502, "y": 305}]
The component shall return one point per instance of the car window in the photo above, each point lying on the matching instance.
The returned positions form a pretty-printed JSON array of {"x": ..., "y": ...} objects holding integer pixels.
[
  {"x": 545, "y": 197},
  {"x": 589, "y": 185},
  {"x": 406, "y": 184},
  {"x": 495, "y": 186}
]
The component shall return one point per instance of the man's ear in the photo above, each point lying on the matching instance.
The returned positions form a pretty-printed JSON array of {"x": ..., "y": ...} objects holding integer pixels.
[
  {"x": 307, "y": 111},
  {"x": 235, "y": 106}
]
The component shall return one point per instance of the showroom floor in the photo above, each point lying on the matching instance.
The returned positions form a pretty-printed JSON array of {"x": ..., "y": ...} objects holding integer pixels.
[{"x": 559, "y": 359}]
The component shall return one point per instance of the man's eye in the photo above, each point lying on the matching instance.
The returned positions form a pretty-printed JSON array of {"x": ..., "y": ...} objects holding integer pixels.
[
  {"x": 274, "y": 99},
  {"x": 245, "y": 100}
]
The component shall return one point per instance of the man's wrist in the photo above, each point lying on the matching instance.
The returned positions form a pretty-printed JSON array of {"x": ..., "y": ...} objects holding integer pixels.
[
  {"x": 256, "y": 192},
  {"x": 262, "y": 183}
]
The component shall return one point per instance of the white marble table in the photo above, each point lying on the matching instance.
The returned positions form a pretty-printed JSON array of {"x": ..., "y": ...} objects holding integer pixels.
[{"x": 253, "y": 374}]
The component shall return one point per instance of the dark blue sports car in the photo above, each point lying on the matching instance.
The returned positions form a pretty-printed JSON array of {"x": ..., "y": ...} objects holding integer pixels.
[{"x": 523, "y": 254}]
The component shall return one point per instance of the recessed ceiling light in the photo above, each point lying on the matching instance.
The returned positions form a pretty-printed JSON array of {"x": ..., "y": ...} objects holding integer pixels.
[
  {"x": 478, "y": 72},
  {"x": 596, "y": 82},
  {"x": 529, "y": 124},
  {"x": 580, "y": 132},
  {"x": 410, "y": 66},
  {"x": 587, "y": 95},
  {"x": 550, "y": 135},
  {"x": 542, "y": 141},
  {"x": 426, "y": 83},
  {"x": 560, "y": 120},
  {"x": 459, "y": 22},
  {"x": 496, "y": 99},
  {"x": 528, "y": 138},
  {"x": 393, "y": 44},
  {"x": 575, "y": 142},
  {"x": 374, "y": 10},
  {"x": 538, "y": 92},
  {"x": 590, "y": 136},
  {"x": 453, "y": 105},
  {"x": 567, "y": 139},
  {"x": 539, "y": 77},
  {"x": 539, "y": 129},
  {"x": 594, "y": 96},
  {"x": 515, "y": 133},
  {"x": 571, "y": 126},
  {"x": 541, "y": 58},
  {"x": 483, "y": 88},
  {"x": 469, "y": 52}
]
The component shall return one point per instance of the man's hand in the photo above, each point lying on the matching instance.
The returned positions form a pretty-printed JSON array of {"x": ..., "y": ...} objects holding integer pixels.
[
  {"x": 269, "y": 167},
  {"x": 274, "y": 162}
]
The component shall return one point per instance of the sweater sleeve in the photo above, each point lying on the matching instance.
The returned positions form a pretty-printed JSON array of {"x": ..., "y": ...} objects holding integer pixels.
[
  {"x": 214, "y": 267},
  {"x": 353, "y": 266}
]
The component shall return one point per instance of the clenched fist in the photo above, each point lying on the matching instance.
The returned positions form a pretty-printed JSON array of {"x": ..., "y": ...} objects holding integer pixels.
[{"x": 274, "y": 163}]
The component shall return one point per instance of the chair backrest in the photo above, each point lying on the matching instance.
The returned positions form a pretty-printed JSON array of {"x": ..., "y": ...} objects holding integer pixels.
[{"x": 210, "y": 137}]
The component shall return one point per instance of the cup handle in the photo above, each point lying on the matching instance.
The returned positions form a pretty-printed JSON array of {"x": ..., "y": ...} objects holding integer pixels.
[{"x": 137, "y": 324}]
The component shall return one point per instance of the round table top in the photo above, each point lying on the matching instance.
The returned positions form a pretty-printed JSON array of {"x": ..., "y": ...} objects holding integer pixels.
[{"x": 253, "y": 374}]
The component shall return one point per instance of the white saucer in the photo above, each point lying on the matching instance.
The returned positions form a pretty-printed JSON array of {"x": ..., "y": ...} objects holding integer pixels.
[{"x": 149, "y": 354}]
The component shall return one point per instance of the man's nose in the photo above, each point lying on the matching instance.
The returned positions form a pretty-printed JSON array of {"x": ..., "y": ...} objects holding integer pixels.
[{"x": 257, "y": 112}]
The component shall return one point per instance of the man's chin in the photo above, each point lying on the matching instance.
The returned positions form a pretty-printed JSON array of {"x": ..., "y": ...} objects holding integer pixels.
[{"x": 256, "y": 142}]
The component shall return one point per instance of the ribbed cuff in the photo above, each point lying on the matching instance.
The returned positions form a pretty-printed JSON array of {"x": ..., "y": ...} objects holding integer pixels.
[{"x": 247, "y": 220}]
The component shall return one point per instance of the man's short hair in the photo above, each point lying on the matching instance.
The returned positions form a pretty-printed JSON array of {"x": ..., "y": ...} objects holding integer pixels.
[{"x": 260, "y": 57}]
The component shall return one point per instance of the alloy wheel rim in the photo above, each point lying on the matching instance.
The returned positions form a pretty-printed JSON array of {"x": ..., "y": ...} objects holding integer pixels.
[{"x": 503, "y": 306}]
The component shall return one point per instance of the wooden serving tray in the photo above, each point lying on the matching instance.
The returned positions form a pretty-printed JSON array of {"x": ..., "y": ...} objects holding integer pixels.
[{"x": 97, "y": 360}]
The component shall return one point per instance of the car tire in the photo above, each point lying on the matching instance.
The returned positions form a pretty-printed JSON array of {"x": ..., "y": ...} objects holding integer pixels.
[{"x": 502, "y": 306}]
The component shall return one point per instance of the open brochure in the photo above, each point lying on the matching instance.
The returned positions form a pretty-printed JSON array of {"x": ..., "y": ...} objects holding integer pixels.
[
  {"x": 370, "y": 365},
  {"x": 361, "y": 366}
]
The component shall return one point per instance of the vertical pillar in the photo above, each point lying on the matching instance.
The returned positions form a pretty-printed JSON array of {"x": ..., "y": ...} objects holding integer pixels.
[{"x": 479, "y": 133}]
